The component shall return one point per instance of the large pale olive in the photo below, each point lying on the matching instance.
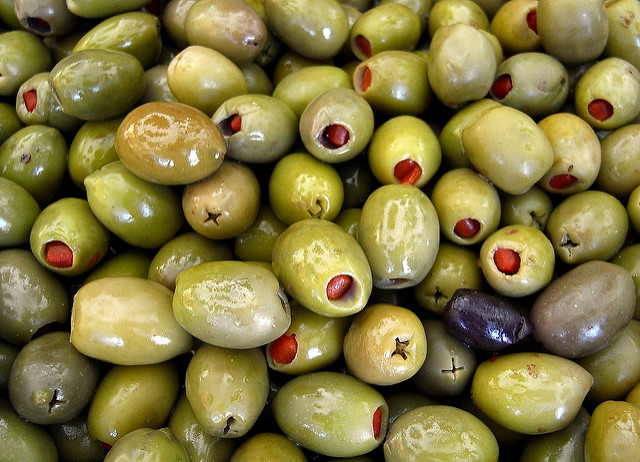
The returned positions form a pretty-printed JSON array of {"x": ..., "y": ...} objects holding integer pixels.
[
  {"x": 169, "y": 143},
  {"x": 148, "y": 444},
  {"x": 23, "y": 55},
  {"x": 619, "y": 173},
  {"x": 612, "y": 434},
  {"x": 126, "y": 320}
]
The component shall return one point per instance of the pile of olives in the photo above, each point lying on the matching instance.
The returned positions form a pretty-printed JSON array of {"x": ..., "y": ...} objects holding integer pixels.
[{"x": 289, "y": 230}]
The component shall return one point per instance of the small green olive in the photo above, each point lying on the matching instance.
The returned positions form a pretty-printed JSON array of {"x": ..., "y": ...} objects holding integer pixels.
[
  {"x": 516, "y": 27},
  {"x": 18, "y": 211}
]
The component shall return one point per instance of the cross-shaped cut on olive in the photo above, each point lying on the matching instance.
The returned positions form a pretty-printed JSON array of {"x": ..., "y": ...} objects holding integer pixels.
[{"x": 401, "y": 345}]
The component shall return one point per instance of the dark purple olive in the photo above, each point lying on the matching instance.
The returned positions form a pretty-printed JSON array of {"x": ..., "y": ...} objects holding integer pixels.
[{"x": 484, "y": 321}]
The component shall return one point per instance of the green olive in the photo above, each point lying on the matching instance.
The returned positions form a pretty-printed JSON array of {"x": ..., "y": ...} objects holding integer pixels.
[
  {"x": 18, "y": 211},
  {"x": 74, "y": 442},
  {"x": 173, "y": 20},
  {"x": 258, "y": 81},
  {"x": 531, "y": 208},
  {"x": 8, "y": 355},
  {"x": 9, "y": 121},
  {"x": 129, "y": 262},
  {"x": 623, "y": 18},
  {"x": 23, "y": 440},
  {"x": 100, "y": 9},
  {"x": 628, "y": 259},
  {"x": 256, "y": 242},
  {"x": 349, "y": 220},
  {"x": 633, "y": 208},
  {"x": 612, "y": 432},
  {"x": 515, "y": 26},
  {"x": 618, "y": 175},
  {"x": 270, "y": 446},
  {"x": 449, "y": 12},
  {"x": 22, "y": 54},
  {"x": 148, "y": 444},
  {"x": 400, "y": 402}
]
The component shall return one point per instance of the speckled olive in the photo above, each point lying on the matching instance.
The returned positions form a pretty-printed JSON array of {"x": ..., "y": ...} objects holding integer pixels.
[
  {"x": 132, "y": 397},
  {"x": 23, "y": 440},
  {"x": 104, "y": 326},
  {"x": 589, "y": 225},
  {"x": 169, "y": 143},
  {"x": 618, "y": 174},
  {"x": 227, "y": 389},
  {"x": 531, "y": 208},
  {"x": 331, "y": 413},
  {"x": 440, "y": 432},
  {"x": 80, "y": 86},
  {"x": 231, "y": 304},
  {"x": 139, "y": 212},
  {"x": 148, "y": 444},
  {"x": 31, "y": 297},
  {"x": 530, "y": 393},
  {"x": 583, "y": 310},
  {"x": 225, "y": 204},
  {"x": 629, "y": 259},
  {"x": 50, "y": 381},
  {"x": 515, "y": 25},
  {"x": 22, "y": 55},
  {"x": 256, "y": 128},
  {"x": 612, "y": 432},
  {"x": 323, "y": 267},
  {"x": 267, "y": 445},
  {"x": 18, "y": 212}
]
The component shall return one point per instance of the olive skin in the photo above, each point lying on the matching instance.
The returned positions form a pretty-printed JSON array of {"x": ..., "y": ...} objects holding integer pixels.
[
  {"x": 385, "y": 344},
  {"x": 18, "y": 211},
  {"x": 23, "y": 54},
  {"x": 21, "y": 439},
  {"x": 328, "y": 253},
  {"x": 231, "y": 27},
  {"x": 508, "y": 148},
  {"x": 589, "y": 225},
  {"x": 8, "y": 355},
  {"x": 98, "y": 9},
  {"x": 484, "y": 321},
  {"x": 231, "y": 304},
  {"x": 510, "y": 25},
  {"x": 573, "y": 31},
  {"x": 39, "y": 299},
  {"x": 331, "y": 413},
  {"x": 156, "y": 85},
  {"x": 439, "y": 432},
  {"x": 313, "y": 30},
  {"x": 131, "y": 262},
  {"x": 450, "y": 12},
  {"x": 173, "y": 20},
  {"x": 132, "y": 397},
  {"x": 135, "y": 32},
  {"x": 270, "y": 446},
  {"x": 583, "y": 310},
  {"x": 169, "y": 143},
  {"x": 148, "y": 444},
  {"x": 258, "y": 81},
  {"x": 530, "y": 393},
  {"x": 268, "y": 128},
  {"x": 611, "y": 434},
  {"x": 139, "y": 212},
  {"x": 400, "y": 234},
  {"x": 200, "y": 445},
  {"x": 50, "y": 381},
  {"x": 256, "y": 242},
  {"x": 623, "y": 23},
  {"x": 633, "y": 208},
  {"x": 74, "y": 442},
  {"x": 103, "y": 325},
  {"x": 80, "y": 85},
  {"x": 531, "y": 208},
  {"x": 10, "y": 122},
  {"x": 628, "y": 258},
  {"x": 227, "y": 389},
  {"x": 618, "y": 174}
]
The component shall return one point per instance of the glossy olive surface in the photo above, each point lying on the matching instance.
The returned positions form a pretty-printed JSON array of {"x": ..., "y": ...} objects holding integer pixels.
[
  {"x": 22, "y": 439},
  {"x": 148, "y": 444},
  {"x": 612, "y": 432},
  {"x": 18, "y": 212}
]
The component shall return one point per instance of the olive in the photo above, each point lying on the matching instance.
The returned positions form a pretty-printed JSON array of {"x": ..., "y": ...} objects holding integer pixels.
[
  {"x": 618, "y": 175},
  {"x": 449, "y": 12},
  {"x": 127, "y": 262},
  {"x": 10, "y": 122},
  {"x": 623, "y": 22},
  {"x": 8, "y": 355},
  {"x": 258, "y": 81},
  {"x": 148, "y": 444},
  {"x": 349, "y": 220},
  {"x": 74, "y": 442},
  {"x": 269, "y": 446},
  {"x": 174, "y": 16},
  {"x": 531, "y": 208},
  {"x": 611, "y": 433},
  {"x": 633, "y": 208},
  {"x": 23, "y": 440},
  {"x": 18, "y": 211},
  {"x": 515, "y": 25},
  {"x": 628, "y": 259},
  {"x": 357, "y": 180},
  {"x": 100, "y": 9},
  {"x": 22, "y": 54}
]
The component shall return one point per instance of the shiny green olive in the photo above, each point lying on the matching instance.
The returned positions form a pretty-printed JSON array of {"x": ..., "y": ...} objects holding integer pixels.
[
  {"x": 468, "y": 206},
  {"x": 60, "y": 47},
  {"x": 454, "y": 267},
  {"x": 387, "y": 26},
  {"x": 269, "y": 446},
  {"x": 232, "y": 27},
  {"x": 449, "y": 12},
  {"x": 22, "y": 55},
  {"x": 258, "y": 81},
  {"x": 616, "y": 367},
  {"x": 8, "y": 355},
  {"x": 349, "y": 220},
  {"x": 589, "y": 225},
  {"x": 331, "y": 413},
  {"x": 623, "y": 18},
  {"x": 156, "y": 85},
  {"x": 612, "y": 432},
  {"x": 231, "y": 304},
  {"x": 323, "y": 267},
  {"x": 299, "y": 88},
  {"x": 576, "y": 154},
  {"x": 531, "y": 208},
  {"x": 200, "y": 445},
  {"x": 136, "y": 33},
  {"x": 394, "y": 82},
  {"x": 257, "y": 242},
  {"x": 74, "y": 442},
  {"x": 256, "y": 128},
  {"x": 18, "y": 212},
  {"x": 357, "y": 180},
  {"x": 628, "y": 259},
  {"x": 227, "y": 389},
  {"x": 225, "y": 204},
  {"x": 99, "y": 9},
  {"x": 129, "y": 262},
  {"x": 508, "y": 148},
  {"x": 23, "y": 440},
  {"x": 36, "y": 104},
  {"x": 440, "y": 432},
  {"x": 173, "y": 20},
  {"x": 420, "y": 7},
  {"x": 8, "y": 15},
  {"x": 530, "y": 393},
  {"x": 634, "y": 395},
  {"x": 104, "y": 326},
  {"x": 574, "y": 31},
  {"x": 39, "y": 299},
  {"x": 618, "y": 175},
  {"x": 462, "y": 64},
  {"x": 35, "y": 158},
  {"x": 50, "y": 381},
  {"x": 337, "y": 125},
  {"x": 514, "y": 25},
  {"x": 400, "y": 402},
  {"x": 633, "y": 208},
  {"x": 314, "y": 30},
  {"x": 148, "y": 444},
  {"x": 302, "y": 187},
  {"x": 182, "y": 252},
  {"x": 204, "y": 78},
  {"x": 9, "y": 121},
  {"x": 139, "y": 212},
  {"x": 169, "y": 143},
  {"x": 533, "y": 82},
  {"x": 312, "y": 342},
  {"x": 92, "y": 147},
  {"x": 385, "y": 344},
  {"x": 289, "y": 62},
  {"x": 400, "y": 234},
  {"x": 404, "y": 149},
  {"x": 360, "y": 5},
  {"x": 132, "y": 397}
]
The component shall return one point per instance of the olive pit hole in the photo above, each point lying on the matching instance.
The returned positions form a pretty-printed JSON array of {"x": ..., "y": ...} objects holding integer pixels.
[
  {"x": 39, "y": 25},
  {"x": 58, "y": 254},
  {"x": 227, "y": 427},
  {"x": 362, "y": 78},
  {"x": 401, "y": 346},
  {"x": 600, "y": 109},
  {"x": 507, "y": 260},
  {"x": 407, "y": 171},
  {"x": 532, "y": 20},
  {"x": 283, "y": 350},
  {"x": 30, "y": 99},
  {"x": 364, "y": 45},
  {"x": 334, "y": 136},
  {"x": 466, "y": 227},
  {"x": 339, "y": 287},
  {"x": 231, "y": 125},
  {"x": 55, "y": 400},
  {"x": 502, "y": 85},
  {"x": 561, "y": 181}
]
